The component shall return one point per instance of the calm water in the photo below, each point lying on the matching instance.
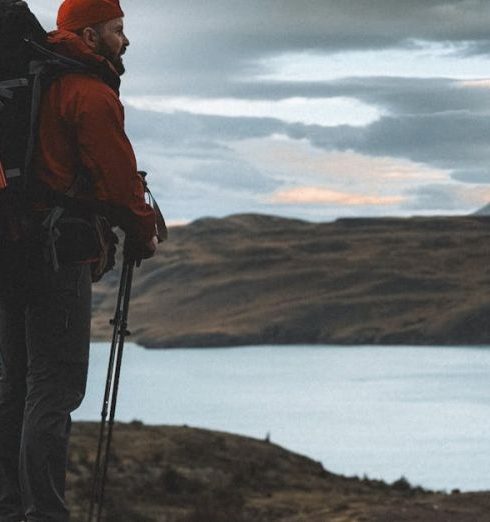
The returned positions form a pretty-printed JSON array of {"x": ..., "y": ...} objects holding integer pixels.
[{"x": 423, "y": 413}]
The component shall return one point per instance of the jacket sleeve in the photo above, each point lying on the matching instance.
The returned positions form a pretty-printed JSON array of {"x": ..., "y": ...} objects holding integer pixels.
[{"x": 106, "y": 152}]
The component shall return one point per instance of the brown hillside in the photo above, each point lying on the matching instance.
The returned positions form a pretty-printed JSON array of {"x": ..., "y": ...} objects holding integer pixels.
[
  {"x": 254, "y": 279},
  {"x": 180, "y": 474}
]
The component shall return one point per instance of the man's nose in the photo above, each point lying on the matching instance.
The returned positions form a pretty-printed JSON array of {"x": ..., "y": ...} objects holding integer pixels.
[{"x": 126, "y": 41}]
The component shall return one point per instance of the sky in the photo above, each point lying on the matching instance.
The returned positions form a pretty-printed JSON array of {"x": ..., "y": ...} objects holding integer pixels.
[{"x": 313, "y": 109}]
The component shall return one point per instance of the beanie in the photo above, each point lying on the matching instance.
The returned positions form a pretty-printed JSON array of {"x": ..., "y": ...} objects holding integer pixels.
[{"x": 74, "y": 15}]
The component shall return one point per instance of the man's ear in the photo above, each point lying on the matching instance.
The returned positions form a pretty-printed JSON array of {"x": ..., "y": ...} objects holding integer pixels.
[{"x": 90, "y": 37}]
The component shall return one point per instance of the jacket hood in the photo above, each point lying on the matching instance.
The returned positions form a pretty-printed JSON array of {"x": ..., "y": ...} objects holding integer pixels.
[{"x": 72, "y": 46}]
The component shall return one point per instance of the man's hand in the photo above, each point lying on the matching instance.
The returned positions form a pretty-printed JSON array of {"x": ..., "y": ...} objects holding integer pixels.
[
  {"x": 138, "y": 251},
  {"x": 152, "y": 246}
]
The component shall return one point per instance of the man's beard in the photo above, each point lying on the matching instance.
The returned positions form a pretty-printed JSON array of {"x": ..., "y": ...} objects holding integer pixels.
[{"x": 105, "y": 51}]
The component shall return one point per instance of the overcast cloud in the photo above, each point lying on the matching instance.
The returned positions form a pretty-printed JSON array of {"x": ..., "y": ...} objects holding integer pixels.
[{"x": 309, "y": 108}]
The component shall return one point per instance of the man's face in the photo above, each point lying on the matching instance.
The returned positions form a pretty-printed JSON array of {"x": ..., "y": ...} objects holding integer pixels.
[{"x": 112, "y": 42}]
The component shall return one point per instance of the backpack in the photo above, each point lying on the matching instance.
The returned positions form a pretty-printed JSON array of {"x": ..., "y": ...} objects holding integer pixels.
[{"x": 27, "y": 67}]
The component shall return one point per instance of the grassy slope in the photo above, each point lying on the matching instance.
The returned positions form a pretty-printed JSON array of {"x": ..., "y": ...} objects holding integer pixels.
[
  {"x": 179, "y": 474},
  {"x": 252, "y": 279}
]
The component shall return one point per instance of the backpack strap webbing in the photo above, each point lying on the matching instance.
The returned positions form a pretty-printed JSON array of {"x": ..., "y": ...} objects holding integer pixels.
[{"x": 49, "y": 225}]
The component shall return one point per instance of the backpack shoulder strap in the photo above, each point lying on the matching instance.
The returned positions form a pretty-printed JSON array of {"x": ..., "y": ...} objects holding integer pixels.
[{"x": 43, "y": 72}]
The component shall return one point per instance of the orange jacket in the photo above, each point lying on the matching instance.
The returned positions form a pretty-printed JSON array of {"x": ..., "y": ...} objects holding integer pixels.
[{"x": 82, "y": 129}]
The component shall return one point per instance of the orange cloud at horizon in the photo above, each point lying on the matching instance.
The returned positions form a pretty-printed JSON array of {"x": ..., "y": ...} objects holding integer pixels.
[
  {"x": 483, "y": 83},
  {"x": 322, "y": 196},
  {"x": 177, "y": 222}
]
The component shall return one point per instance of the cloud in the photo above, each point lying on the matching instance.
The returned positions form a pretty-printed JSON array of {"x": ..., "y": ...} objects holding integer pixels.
[
  {"x": 208, "y": 35},
  {"x": 232, "y": 174},
  {"x": 322, "y": 196},
  {"x": 477, "y": 175},
  {"x": 453, "y": 141},
  {"x": 476, "y": 84},
  {"x": 422, "y": 60},
  {"x": 335, "y": 110},
  {"x": 177, "y": 222},
  {"x": 447, "y": 197},
  {"x": 441, "y": 123},
  {"x": 184, "y": 129},
  {"x": 197, "y": 47},
  {"x": 299, "y": 159},
  {"x": 389, "y": 94}
]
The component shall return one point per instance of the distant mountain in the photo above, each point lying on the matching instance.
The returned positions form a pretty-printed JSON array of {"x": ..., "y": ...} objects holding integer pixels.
[
  {"x": 255, "y": 279},
  {"x": 484, "y": 211}
]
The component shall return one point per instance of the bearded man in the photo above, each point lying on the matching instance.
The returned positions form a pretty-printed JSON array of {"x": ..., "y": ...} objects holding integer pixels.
[{"x": 45, "y": 310}]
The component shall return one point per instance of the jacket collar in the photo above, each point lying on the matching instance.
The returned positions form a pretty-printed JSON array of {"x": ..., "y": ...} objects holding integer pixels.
[{"x": 72, "y": 46}]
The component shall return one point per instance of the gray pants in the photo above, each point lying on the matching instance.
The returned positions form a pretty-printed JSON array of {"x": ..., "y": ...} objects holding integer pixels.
[{"x": 44, "y": 347}]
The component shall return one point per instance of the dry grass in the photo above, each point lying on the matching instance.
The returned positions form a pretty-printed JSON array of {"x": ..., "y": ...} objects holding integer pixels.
[{"x": 179, "y": 474}]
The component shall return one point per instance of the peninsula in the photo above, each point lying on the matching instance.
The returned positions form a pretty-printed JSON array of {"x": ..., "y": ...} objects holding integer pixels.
[{"x": 255, "y": 279}]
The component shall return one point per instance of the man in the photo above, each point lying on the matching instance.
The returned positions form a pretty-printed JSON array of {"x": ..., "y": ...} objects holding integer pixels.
[{"x": 45, "y": 312}]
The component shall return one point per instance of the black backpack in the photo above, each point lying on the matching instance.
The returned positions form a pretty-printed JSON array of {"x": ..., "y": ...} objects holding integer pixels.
[{"x": 27, "y": 67}]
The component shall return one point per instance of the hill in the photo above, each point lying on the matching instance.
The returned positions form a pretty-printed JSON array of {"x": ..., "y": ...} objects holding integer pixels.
[
  {"x": 255, "y": 279},
  {"x": 180, "y": 474},
  {"x": 484, "y": 211}
]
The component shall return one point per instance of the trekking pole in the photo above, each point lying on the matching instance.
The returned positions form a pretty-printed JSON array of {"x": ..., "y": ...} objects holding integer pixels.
[{"x": 120, "y": 323}]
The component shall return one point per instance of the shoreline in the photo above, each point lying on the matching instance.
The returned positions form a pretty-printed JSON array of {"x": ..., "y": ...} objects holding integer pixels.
[
  {"x": 156, "y": 346},
  {"x": 184, "y": 474}
]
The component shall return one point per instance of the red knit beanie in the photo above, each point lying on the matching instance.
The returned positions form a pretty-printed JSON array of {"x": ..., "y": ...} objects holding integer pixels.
[{"x": 74, "y": 15}]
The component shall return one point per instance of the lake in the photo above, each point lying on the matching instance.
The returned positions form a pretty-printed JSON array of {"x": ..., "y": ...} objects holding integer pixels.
[{"x": 384, "y": 412}]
